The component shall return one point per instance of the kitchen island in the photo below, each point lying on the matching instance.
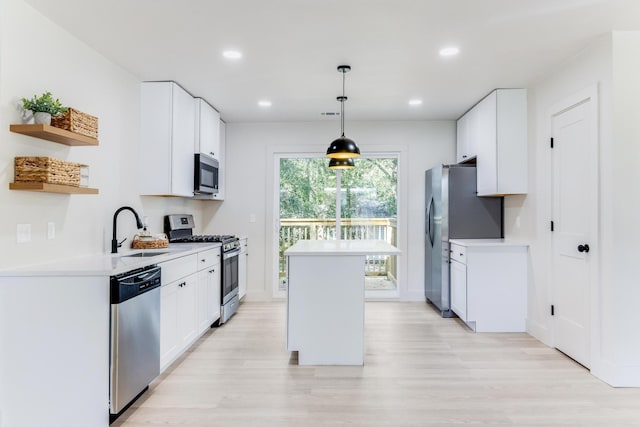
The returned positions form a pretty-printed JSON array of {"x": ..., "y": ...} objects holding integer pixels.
[{"x": 325, "y": 299}]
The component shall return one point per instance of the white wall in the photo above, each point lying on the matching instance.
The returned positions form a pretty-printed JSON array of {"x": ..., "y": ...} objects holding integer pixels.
[
  {"x": 250, "y": 158},
  {"x": 612, "y": 63},
  {"x": 36, "y": 56},
  {"x": 620, "y": 225},
  {"x": 589, "y": 67}
]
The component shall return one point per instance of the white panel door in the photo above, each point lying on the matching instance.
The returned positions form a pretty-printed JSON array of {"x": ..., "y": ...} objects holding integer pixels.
[{"x": 575, "y": 195}]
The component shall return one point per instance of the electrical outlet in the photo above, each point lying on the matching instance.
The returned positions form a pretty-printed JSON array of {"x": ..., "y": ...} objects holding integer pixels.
[
  {"x": 24, "y": 233},
  {"x": 51, "y": 230},
  {"x": 518, "y": 221},
  {"x": 252, "y": 218}
]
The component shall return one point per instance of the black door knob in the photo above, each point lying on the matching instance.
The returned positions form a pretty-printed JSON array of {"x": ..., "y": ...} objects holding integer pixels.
[{"x": 583, "y": 248}]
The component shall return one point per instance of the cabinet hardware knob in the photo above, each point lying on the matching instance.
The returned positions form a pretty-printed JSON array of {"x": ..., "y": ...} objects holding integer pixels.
[
  {"x": 461, "y": 254},
  {"x": 583, "y": 248}
]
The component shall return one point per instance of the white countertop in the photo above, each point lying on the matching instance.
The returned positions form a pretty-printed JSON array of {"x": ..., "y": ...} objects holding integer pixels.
[
  {"x": 108, "y": 264},
  {"x": 342, "y": 247},
  {"x": 488, "y": 242}
]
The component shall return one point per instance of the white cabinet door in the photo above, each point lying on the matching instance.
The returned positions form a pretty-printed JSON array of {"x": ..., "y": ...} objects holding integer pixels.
[
  {"x": 502, "y": 143},
  {"x": 203, "y": 301},
  {"x": 207, "y": 137},
  {"x": 242, "y": 269},
  {"x": 167, "y": 140},
  {"x": 222, "y": 167},
  {"x": 486, "y": 139},
  {"x": 209, "y": 295},
  {"x": 459, "y": 289},
  {"x": 214, "y": 293},
  {"x": 169, "y": 343},
  {"x": 187, "y": 310},
  {"x": 462, "y": 139}
]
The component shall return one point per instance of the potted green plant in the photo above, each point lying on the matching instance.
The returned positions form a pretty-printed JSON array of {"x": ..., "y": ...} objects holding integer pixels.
[{"x": 44, "y": 107}]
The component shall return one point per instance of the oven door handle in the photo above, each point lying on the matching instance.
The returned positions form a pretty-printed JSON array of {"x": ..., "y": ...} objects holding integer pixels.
[{"x": 231, "y": 254}]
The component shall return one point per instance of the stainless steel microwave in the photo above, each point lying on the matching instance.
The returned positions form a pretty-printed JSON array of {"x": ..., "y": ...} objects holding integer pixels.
[{"x": 206, "y": 174}]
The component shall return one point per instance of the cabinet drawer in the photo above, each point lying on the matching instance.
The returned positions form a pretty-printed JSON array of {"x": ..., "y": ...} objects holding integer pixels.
[
  {"x": 208, "y": 258},
  {"x": 459, "y": 253},
  {"x": 178, "y": 268}
]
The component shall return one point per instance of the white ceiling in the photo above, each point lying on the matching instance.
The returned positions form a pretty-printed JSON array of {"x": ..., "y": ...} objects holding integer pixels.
[{"x": 292, "y": 48}]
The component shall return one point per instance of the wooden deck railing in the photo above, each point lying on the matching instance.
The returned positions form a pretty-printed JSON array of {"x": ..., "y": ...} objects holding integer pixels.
[{"x": 292, "y": 230}]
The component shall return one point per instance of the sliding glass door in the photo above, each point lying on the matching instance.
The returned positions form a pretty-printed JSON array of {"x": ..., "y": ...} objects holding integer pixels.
[{"x": 367, "y": 202}]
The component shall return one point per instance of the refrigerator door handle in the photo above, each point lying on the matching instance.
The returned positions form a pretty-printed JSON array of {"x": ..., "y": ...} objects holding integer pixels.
[{"x": 429, "y": 221}]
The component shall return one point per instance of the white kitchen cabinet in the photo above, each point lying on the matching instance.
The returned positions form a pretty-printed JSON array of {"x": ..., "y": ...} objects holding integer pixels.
[
  {"x": 209, "y": 292},
  {"x": 178, "y": 320},
  {"x": 495, "y": 132},
  {"x": 167, "y": 140},
  {"x": 178, "y": 308},
  {"x": 464, "y": 152},
  {"x": 489, "y": 284},
  {"x": 222, "y": 167},
  {"x": 458, "y": 277},
  {"x": 207, "y": 129},
  {"x": 242, "y": 268}
]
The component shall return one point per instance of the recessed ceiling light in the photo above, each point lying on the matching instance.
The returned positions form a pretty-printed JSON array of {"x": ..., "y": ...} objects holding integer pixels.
[
  {"x": 415, "y": 102},
  {"x": 449, "y": 51},
  {"x": 264, "y": 103},
  {"x": 232, "y": 54}
]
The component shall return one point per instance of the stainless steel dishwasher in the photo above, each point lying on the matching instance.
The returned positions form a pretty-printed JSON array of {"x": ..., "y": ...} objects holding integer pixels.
[{"x": 135, "y": 336}]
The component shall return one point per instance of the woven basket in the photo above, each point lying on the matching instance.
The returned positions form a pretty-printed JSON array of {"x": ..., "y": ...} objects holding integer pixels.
[
  {"x": 149, "y": 242},
  {"x": 78, "y": 122},
  {"x": 47, "y": 169}
]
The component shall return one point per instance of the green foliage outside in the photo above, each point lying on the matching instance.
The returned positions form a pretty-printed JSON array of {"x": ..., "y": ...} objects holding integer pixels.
[{"x": 308, "y": 186}]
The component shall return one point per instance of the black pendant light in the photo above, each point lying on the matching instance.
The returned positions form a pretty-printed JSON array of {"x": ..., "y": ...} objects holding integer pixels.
[
  {"x": 343, "y": 147},
  {"x": 341, "y": 163}
]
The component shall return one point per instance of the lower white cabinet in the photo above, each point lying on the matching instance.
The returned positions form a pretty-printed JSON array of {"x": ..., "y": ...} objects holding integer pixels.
[
  {"x": 189, "y": 301},
  {"x": 242, "y": 268},
  {"x": 489, "y": 284},
  {"x": 458, "y": 275},
  {"x": 209, "y": 292},
  {"x": 178, "y": 321}
]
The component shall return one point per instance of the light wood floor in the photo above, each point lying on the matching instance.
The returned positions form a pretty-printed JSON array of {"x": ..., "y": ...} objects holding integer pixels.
[{"x": 419, "y": 370}]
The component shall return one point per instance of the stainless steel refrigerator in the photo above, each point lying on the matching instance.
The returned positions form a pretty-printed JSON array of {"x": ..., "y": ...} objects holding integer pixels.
[{"x": 453, "y": 211}]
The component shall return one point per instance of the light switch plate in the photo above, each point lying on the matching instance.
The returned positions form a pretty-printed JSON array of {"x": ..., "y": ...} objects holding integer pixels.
[
  {"x": 51, "y": 230},
  {"x": 23, "y": 234}
]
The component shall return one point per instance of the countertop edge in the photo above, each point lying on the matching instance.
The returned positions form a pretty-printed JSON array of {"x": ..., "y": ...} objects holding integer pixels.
[
  {"x": 488, "y": 242},
  {"x": 106, "y": 264}
]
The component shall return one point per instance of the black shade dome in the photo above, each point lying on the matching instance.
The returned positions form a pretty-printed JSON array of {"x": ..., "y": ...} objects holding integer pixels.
[
  {"x": 343, "y": 148},
  {"x": 341, "y": 163}
]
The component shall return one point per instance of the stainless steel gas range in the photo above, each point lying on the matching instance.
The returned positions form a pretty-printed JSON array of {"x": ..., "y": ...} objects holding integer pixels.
[{"x": 179, "y": 228}]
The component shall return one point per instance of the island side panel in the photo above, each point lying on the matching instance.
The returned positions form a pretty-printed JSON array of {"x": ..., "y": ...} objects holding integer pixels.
[
  {"x": 54, "y": 351},
  {"x": 326, "y": 309}
]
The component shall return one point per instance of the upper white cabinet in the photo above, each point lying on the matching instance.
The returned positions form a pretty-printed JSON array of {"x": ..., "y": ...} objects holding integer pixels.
[
  {"x": 495, "y": 132},
  {"x": 222, "y": 167},
  {"x": 463, "y": 151},
  {"x": 167, "y": 140},
  {"x": 207, "y": 129}
]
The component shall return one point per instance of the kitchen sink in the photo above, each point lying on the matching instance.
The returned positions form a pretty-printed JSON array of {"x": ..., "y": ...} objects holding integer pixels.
[{"x": 144, "y": 254}]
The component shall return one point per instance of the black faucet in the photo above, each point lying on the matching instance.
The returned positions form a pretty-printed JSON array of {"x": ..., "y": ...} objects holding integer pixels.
[{"x": 114, "y": 242}]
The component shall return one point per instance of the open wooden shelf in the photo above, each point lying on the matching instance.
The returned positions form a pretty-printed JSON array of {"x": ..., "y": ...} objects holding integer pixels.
[
  {"x": 51, "y": 188},
  {"x": 54, "y": 134}
]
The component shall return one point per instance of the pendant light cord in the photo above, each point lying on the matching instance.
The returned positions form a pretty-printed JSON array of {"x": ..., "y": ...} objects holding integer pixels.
[{"x": 342, "y": 105}]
